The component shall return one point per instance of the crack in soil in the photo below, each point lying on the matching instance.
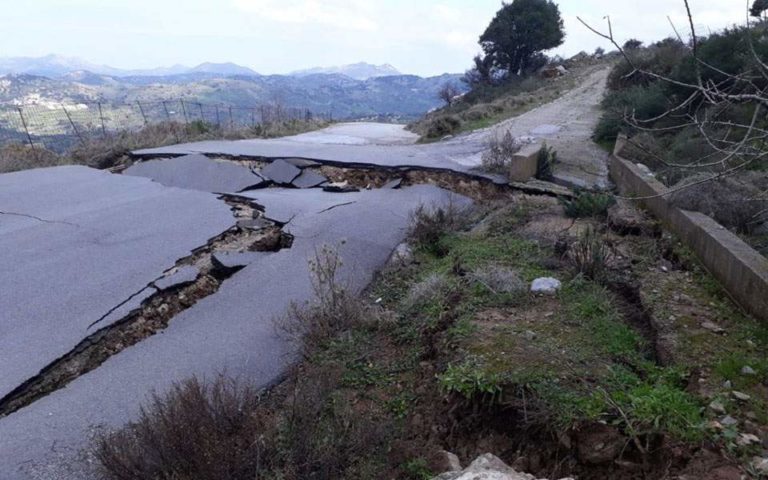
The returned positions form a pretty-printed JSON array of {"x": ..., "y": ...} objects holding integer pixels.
[{"x": 157, "y": 311}]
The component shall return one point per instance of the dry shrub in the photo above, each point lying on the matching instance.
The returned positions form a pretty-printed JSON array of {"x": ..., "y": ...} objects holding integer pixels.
[
  {"x": 500, "y": 153},
  {"x": 431, "y": 289},
  {"x": 334, "y": 309},
  {"x": 500, "y": 279},
  {"x": 429, "y": 225},
  {"x": 737, "y": 202},
  {"x": 195, "y": 432},
  {"x": 15, "y": 157},
  {"x": 590, "y": 255},
  {"x": 113, "y": 149}
]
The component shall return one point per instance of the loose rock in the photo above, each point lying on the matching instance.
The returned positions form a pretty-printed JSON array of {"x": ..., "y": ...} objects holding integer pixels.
[{"x": 546, "y": 286}]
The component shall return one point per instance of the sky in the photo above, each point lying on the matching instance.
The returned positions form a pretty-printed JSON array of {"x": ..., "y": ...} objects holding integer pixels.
[{"x": 423, "y": 37}]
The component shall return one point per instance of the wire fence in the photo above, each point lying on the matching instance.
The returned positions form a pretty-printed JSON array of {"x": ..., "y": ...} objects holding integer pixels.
[{"x": 59, "y": 127}]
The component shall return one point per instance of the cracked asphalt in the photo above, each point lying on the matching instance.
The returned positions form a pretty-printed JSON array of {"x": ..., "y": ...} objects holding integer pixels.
[{"x": 132, "y": 230}]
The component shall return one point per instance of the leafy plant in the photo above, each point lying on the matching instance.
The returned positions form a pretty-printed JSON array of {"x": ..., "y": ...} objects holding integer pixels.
[{"x": 471, "y": 381}]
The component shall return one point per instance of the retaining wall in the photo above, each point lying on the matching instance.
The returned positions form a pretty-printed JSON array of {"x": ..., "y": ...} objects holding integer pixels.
[{"x": 741, "y": 270}]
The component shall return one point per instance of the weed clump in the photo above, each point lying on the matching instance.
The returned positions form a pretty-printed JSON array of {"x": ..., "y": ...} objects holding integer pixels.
[
  {"x": 15, "y": 157},
  {"x": 334, "y": 310},
  {"x": 429, "y": 225},
  {"x": 587, "y": 204},
  {"x": 500, "y": 279},
  {"x": 500, "y": 153},
  {"x": 590, "y": 255}
]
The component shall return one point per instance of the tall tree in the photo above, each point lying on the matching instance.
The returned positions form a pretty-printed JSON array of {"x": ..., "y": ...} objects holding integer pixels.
[
  {"x": 758, "y": 8},
  {"x": 520, "y": 32}
]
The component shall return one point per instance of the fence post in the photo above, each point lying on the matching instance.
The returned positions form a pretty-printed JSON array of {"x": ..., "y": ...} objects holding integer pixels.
[
  {"x": 26, "y": 129},
  {"x": 74, "y": 127},
  {"x": 231, "y": 120},
  {"x": 202, "y": 116},
  {"x": 184, "y": 110},
  {"x": 143, "y": 115},
  {"x": 218, "y": 118},
  {"x": 167, "y": 114},
  {"x": 101, "y": 116},
  {"x": 253, "y": 117}
]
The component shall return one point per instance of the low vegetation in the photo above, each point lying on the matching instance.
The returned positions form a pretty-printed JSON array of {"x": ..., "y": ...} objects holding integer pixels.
[
  {"x": 451, "y": 351},
  {"x": 112, "y": 150}
]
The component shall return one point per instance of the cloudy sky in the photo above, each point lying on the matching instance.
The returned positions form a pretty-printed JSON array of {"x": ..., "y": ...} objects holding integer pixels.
[{"x": 424, "y": 37}]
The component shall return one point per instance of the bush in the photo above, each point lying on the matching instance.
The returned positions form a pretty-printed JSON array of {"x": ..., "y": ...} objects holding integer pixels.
[
  {"x": 15, "y": 157},
  {"x": 430, "y": 290},
  {"x": 545, "y": 160},
  {"x": 430, "y": 225},
  {"x": 195, "y": 432},
  {"x": 587, "y": 204},
  {"x": 334, "y": 309},
  {"x": 736, "y": 202},
  {"x": 643, "y": 101},
  {"x": 442, "y": 126},
  {"x": 500, "y": 154},
  {"x": 499, "y": 279},
  {"x": 590, "y": 255}
]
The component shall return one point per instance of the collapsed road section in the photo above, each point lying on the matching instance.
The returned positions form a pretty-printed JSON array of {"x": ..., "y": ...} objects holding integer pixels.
[
  {"x": 223, "y": 324},
  {"x": 191, "y": 279}
]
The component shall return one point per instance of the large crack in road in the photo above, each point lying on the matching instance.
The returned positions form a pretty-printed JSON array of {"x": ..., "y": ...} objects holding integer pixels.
[{"x": 158, "y": 309}]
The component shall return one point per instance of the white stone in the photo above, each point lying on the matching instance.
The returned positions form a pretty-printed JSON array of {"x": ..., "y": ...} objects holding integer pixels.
[{"x": 546, "y": 286}]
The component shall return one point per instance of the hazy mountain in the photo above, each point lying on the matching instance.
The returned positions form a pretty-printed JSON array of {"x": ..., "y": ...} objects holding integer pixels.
[
  {"x": 400, "y": 96},
  {"x": 358, "y": 71},
  {"x": 226, "y": 69},
  {"x": 59, "y": 66}
]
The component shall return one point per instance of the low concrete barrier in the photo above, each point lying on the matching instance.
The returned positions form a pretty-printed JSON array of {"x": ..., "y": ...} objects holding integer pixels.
[
  {"x": 525, "y": 163},
  {"x": 741, "y": 270}
]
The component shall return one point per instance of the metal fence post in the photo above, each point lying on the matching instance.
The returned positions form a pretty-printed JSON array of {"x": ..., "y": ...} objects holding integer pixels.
[
  {"x": 167, "y": 114},
  {"x": 74, "y": 127},
  {"x": 184, "y": 111},
  {"x": 101, "y": 116},
  {"x": 26, "y": 129},
  {"x": 202, "y": 116},
  {"x": 143, "y": 115},
  {"x": 231, "y": 120},
  {"x": 218, "y": 118}
]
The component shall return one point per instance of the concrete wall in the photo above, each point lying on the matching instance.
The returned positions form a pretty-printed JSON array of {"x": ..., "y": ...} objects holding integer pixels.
[
  {"x": 741, "y": 270},
  {"x": 525, "y": 163}
]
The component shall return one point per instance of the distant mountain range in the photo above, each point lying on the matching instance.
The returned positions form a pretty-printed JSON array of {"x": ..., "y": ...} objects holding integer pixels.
[
  {"x": 59, "y": 66},
  {"x": 391, "y": 96},
  {"x": 358, "y": 71}
]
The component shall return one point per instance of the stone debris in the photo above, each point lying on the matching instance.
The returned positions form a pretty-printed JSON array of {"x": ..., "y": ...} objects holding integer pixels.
[
  {"x": 487, "y": 467},
  {"x": 393, "y": 183},
  {"x": 717, "y": 407},
  {"x": 402, "y": 256},
  {"x": 301, "y": 162},
  {"x": 229, "y": 260},
  {"x": 186, "y": 274},
  {"x": 742, "y": 397},
  {"x": 760, "y": 465},
  {"x": 729, "y": 421},
  {"x": 746, "y": 439},
  {"x": 713, "y": 327},
  {"x": 546, "y": 286},
  {"x": 747, "y": 370}
]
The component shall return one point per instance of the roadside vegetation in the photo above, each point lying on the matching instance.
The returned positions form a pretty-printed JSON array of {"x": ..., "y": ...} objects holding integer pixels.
[
  {"x": 513, "y": 75},
  {"x": 111, "y": 151},
  {"x": 449, "y": 350},
  {"x": 707, "y": 144}
]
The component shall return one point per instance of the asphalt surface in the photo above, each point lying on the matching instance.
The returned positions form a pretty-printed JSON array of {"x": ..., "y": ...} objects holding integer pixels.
[
  {"x": 566, "y": 124},
  {"x": 75, "y": 243},
  {"x": 231, "y": 332}
]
